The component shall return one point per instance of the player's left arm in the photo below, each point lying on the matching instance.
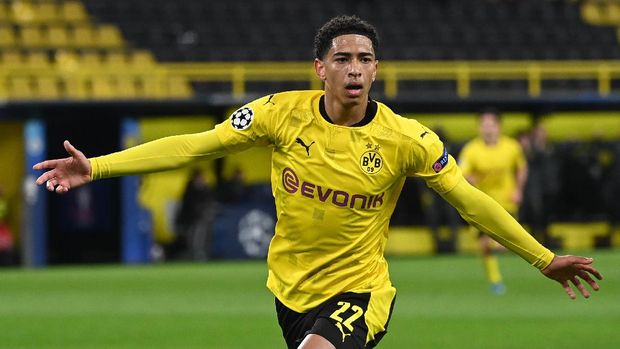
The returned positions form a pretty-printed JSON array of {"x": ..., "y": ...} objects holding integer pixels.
[
  {"x": 489, "y": 217},
  {"x": 430, "y": 161}
]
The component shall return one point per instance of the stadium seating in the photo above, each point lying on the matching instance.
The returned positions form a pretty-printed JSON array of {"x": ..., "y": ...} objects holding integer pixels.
[
  {"x": 197, "y": 30},
  {"x": 421, "y": 30},
  {"x": 271, "y": 30},
  {"x": 53, "y": 49}
]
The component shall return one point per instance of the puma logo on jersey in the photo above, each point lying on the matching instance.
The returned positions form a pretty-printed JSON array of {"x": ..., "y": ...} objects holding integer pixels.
[
  {"x": 424, "y": 134},
  {"x": 301, "y": 142},
  {"x": 344, "y": 335},
  {"x": 269, "y": 101}
]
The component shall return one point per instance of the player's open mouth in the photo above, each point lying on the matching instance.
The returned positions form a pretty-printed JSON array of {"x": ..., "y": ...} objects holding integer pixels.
[{"x": 354, "y": 89}]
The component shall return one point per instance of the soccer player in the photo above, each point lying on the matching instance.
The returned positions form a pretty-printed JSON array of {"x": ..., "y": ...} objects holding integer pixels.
[
  {"x": 338, "y": 164},
  {"x": 495, "y": 164}
]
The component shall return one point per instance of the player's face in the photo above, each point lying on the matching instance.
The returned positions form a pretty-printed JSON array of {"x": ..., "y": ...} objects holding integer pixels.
[
  {"x": 489, "y": 127},
  {"x": 348, "y": 69}
]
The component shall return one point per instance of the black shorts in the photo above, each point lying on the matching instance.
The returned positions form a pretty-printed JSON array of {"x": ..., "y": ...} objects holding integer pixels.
[{"x": 341, "y": 320}]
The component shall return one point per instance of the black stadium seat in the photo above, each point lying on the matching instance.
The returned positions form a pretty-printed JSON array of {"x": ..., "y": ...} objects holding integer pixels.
[{"x": 421, "y": 29}]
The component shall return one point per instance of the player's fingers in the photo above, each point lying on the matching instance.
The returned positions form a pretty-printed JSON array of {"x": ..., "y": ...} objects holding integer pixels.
[
  {"x": 582, "y": 289},
  {"x": 46, "y": 164},
  {"x": 568, "y": 289},
  {"x": 71, "y": 149},
  {"x": 45, "y": 177},
  {"x": 589, "y": 280},
  {"x": 61, "y": 189},
  {"x": 590, "y": 269},
  {"x": 51, "y": 184},
  {"x": 579, "y": 260}
]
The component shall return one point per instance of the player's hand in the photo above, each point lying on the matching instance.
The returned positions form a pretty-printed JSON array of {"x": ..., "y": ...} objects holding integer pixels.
[
  {"x": 65, "y": 174},
  {"x": 565, "y": 269}
]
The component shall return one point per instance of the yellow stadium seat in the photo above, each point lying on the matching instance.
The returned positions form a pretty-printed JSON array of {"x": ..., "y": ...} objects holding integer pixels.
[
  {"x": 7, "y": 37},
  {"x": 590, "y": 13},
  {"x": 613, "y": 12},
  {"x": 4, "y": 93},
  {"x": 57, "y": 35},
  {"x": 115, "y": 59},
  {"x": 155, "y": 87},
  {"x": 47, "y": 88},
  {"x": 75, "y": 88},
  {"x": 20, "y": 88},
  {"x": 179, "y": 87},
  {"x": 66, "y": 61},
  {"x": 23, "y": 11},
  {"x": 31, "y": 36},
  {"x": 5, "y": 14},
  {"x": 73, "y": 11},
  {"x": 142, "y": 59},
  {"x": 90, "y": 60},
  {"x": 45, "y": 12},
  {"x": 12, "y": 60},
  {"x": 83, "y": 36},
  {"x": 108, "y": 36},
  {"x": 126, "y": 87},
  {"x": 102, "y": 87},
  {"x": 152, "y": 87},
  {"x": 37, "y": 60}
]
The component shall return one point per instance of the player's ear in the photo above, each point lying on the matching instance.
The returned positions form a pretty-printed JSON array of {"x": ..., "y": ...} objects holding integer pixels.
[{"x": 319, "y": 68}]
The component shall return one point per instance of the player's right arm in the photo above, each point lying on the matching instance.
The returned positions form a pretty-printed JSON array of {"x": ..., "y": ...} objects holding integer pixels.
[
  {"x": 159, "y": 155},
  {"x": 163, "y": 154}
]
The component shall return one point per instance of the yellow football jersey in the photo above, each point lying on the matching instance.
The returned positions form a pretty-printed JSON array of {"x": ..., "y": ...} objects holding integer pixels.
[
  {"x": 335, "y": 189},
  {"x": 494, "y": 168}
]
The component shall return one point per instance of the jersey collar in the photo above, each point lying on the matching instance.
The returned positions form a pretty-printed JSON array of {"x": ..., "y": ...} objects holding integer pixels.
[{"x": 371, "y": 111}]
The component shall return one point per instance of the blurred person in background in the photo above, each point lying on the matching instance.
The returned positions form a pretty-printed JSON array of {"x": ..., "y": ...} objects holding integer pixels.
[
  {"x": 542, "y": 182},
  {"x": 6, "y": 236},
  {"x": 495, "y": 164},
  {"x": 194, "y": 220},
  {"x": 339, "y": 161},
  {"x": 232, "y": 190}
]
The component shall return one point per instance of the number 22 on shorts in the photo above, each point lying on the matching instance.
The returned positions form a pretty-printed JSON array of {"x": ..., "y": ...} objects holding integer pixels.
[{"x": 348, "y": 322}]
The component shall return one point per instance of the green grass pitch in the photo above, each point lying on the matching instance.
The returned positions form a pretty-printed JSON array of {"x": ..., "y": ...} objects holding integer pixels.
[{"x": 442, "y": 302}]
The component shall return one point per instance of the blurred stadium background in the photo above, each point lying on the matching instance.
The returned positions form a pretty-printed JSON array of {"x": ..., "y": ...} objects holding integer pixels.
[{"x": 111, "y": 74}]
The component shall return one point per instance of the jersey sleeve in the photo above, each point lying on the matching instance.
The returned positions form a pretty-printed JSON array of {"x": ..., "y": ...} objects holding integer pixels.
[
  {"x": 479, "y": 210},
  {"x": 254, "y": 124},
  {"x": 431, "y": 161},
  {"x": 159, "y": 155}
]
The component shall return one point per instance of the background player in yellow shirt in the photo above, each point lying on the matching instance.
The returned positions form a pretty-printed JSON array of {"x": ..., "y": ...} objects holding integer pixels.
[
  {"x": 495, "y": 164},
  {"x": 339, "y": 161}
]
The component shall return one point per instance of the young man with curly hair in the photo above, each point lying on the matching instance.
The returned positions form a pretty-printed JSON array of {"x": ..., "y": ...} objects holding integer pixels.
[{"x": 338, "y": 164}]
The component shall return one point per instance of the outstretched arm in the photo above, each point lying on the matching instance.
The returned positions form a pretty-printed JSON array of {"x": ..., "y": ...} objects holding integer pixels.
[
  {"x": 159, "y": 155},
  {"x": 487, "y": 215}
]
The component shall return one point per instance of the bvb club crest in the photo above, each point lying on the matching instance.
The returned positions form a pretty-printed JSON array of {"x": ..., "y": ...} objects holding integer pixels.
[{"x": 371, "y": 162}]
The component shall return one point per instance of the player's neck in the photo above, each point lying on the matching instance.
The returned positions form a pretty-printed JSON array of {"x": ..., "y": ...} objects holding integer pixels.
[
  {"x": 344, "y": 115},
  {"x": 491, "y": 141}
]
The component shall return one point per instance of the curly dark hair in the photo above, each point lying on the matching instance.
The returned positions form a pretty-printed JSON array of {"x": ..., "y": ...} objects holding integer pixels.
[{"x": 342, "y": 25}]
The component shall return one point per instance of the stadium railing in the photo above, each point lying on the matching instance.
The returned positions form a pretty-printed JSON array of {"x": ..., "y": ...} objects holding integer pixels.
[{"x": 392, "y": 72}]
